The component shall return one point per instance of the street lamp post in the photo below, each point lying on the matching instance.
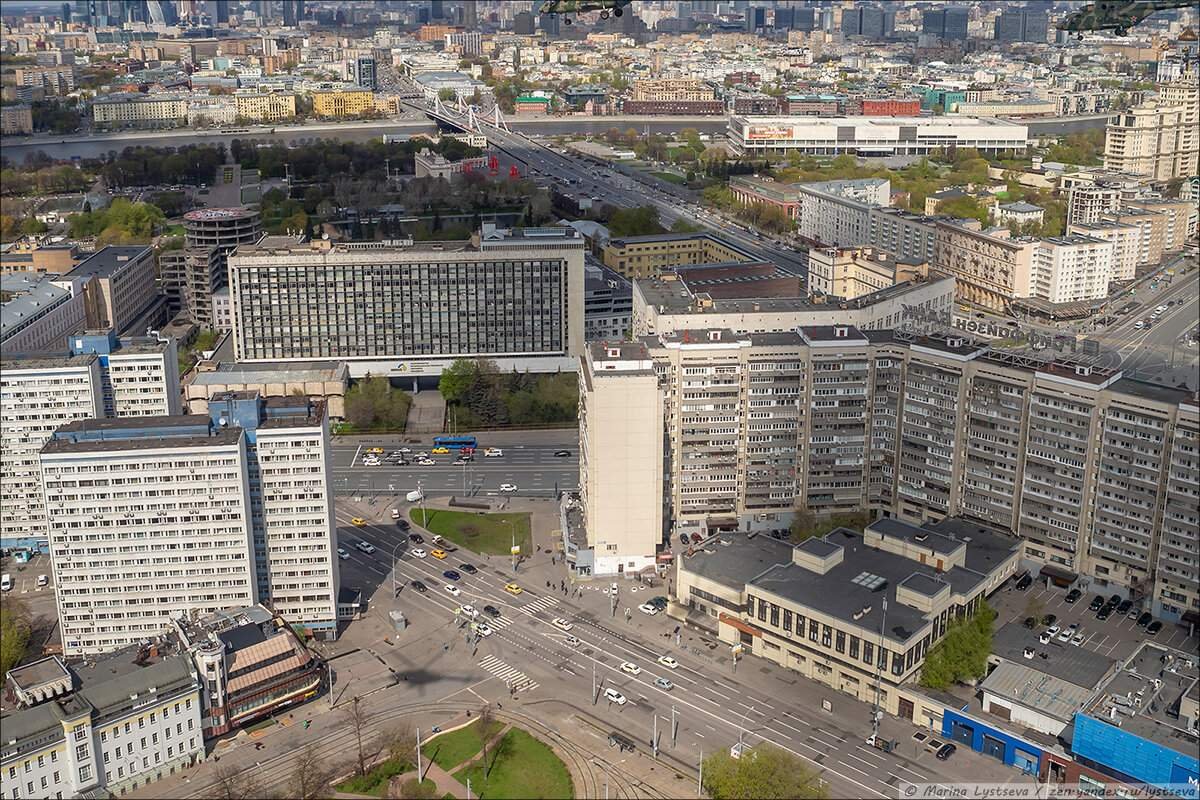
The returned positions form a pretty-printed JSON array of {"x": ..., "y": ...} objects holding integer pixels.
[
  {"x": 395, "y": 572},
  {"x": 513, "y": 530},
  {"x": 424, "y": 515},
  {"x": 419, "y": 770}
]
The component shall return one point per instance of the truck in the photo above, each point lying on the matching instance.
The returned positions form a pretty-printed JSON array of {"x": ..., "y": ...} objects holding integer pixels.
[{"x": 880, "y": 743}]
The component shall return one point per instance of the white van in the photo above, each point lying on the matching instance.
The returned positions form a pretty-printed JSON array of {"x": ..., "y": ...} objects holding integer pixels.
[
  {"x": 5, "y": 582},
  {"x": 415, "y": 496},
  {"x": 395, "y": 513}
]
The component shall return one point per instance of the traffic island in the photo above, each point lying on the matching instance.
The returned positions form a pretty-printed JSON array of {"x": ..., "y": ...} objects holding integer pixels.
[{"x": 490, "y": 534}]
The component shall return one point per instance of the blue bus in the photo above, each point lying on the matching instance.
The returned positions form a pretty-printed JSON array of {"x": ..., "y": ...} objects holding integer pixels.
[{"x": 455, "y": 442}]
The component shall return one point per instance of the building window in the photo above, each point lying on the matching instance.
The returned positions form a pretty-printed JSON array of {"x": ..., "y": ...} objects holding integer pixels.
[
  {"x": 854, "y": 647},
  {"x": 81, "y": 752},
  {"x": 787, "y": 621},
  {"x": 868, "y": 652},
  {"x": 826, "y": 635},
  {"x": 840, "y": 642},
  {"x": 80, "y": 732},
  {"x": 814, "y": 630},
  {"x": 774, "y": 616},
  {"x": 85, "y": 773}
]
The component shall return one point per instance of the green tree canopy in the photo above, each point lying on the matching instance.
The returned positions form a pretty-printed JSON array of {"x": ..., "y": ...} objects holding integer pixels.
[
  {"x": 765, "y": 772},
  {"x": 122, "y": 222},
  {"x": 637, "y": 221},
  {"x": 962, "y": 653},
  {"x": 372, "y": 404},
  {"x": 14, "y": 633}
]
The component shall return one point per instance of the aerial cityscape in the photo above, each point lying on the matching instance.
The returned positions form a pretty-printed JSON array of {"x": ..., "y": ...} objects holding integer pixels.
[{"x": 599, "y": 398}]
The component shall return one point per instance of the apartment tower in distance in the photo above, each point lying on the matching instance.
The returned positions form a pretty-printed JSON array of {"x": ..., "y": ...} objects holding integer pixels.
[{"x": 155, "y": 517}]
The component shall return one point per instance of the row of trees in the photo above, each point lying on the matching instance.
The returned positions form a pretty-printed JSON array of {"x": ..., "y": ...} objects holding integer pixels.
[
  {"x": 478, "y": 394},
  {"x": 765, "y": 216},
  {"x": 962, "y": 653},
  {"x": 15, "y": 629},
  {"x": 152, "y": 166},
  {"x": 122, "y": 222},
  {"x": 60, "y": 179},
  {"x": 372, "y": 404},
  {"x": 326, "y": 159}
]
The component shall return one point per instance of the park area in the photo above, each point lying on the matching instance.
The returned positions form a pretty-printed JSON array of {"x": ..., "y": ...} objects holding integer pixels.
[
  {"x": 501, "y": 761},
  {"x": 491, "y": 534}
]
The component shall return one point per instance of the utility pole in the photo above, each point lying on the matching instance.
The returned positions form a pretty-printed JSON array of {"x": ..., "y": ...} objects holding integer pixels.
[
  {"x": 329, "y": 673},
  {"x": 468, "y": 789},
  {"x": 420, "y": 771},
  {"x": 595, "y": 694},
  {"x": 612, "y": 603},
  {"x": 875, "y": 712},
  {"x": 424, "y": 516},
  {"x": 654, "y": 736},
  {"x": 674, "y": 728},
  {"x": 699, "y": 776}
]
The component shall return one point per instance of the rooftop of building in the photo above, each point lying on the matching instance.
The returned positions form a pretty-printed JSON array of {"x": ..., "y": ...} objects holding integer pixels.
[
  {"x": 31, "y": 295},
  {"x": 1072, "y": 239},
  {"x": 861, "y": 122},
  {"x": 853, "y": 590},
  {"x": 220, "y": 214},
  {"x": 1027, "y": 684},
  {"x": 618, "y": 351},
  {"x": 654, "y": 238},
  {"x": 107, "y": 261},
  {"x": 733, "y": 560},
  {"x": 138, "y": 433},
  {"x": 227, "y": 372},
  {"x": 40, "y": 361},
  {"x": 1021, "y": 207},
  {"x": 1143, "y": 697}
]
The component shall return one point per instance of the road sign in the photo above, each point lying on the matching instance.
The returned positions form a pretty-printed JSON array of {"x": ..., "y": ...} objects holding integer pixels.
[{"x": 516, "y": 550}]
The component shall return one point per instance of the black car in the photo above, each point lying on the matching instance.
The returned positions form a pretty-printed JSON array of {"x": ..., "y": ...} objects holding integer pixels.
[
  {"x": 468, "y": 568},
  {"x": 451, "y": 575},
  {"x": 1144, "y": 619},
  {"x": 1115, "y": 600},
  {"x": 1154, "y": 627},
  {"x": 402, "y": 524},
  {"x": 1097, "y": 603},
  {"x": 1049, "y": 620},
  {"x": 1073, "y": 595},
  {"x": 945, "y": 751},
  {"x": 1025, "y": 582},
  {"x": 416, "y": 538},
  {"x": 683, "y": 539},
  {"x": 1104, "y": 613},
  {"x": 492, "y": 612},
  {"x": 562, "y": 453},
  {"x": 1124, "y": 607},
  {"x": 420, "y": 587}
]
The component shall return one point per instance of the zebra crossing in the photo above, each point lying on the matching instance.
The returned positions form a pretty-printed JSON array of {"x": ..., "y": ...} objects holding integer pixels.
[
  {"x": 540, "y": 604},
  {"x": 510, "y": 675}
]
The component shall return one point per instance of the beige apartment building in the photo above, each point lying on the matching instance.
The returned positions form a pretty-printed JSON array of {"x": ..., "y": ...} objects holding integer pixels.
[
  {"x": 1152, "y": 231},
  {"x": 991, "y": 267},
  {"x": 671, "y": 89},
  {"x": 16, "y": 120},
  {"x": 834, "y": 419},
  {"x": 1179, "y": 223},
  {"x": 133, "y": 110},
  {"x": 1157, "y": 139},
  {"x": 1125, "y": 241},
  {"x": 342, "y": 103},
  {"x": 1072, "y": 268},
  {"x": 850, "y": 272},
  {"x": 266, "y": 106},
  {"x": 849, "y": 610},
  {"x": 647, "y": 256},
  {"x": 1185, "y": 94},
  {"x": 620, "y": 454}
]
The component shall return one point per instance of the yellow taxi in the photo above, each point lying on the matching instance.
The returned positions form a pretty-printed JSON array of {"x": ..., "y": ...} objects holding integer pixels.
[
  {"x": 512, "y": 588},
  {"x": 440, "y": 451},
  {"x": 375, "y": 451},
  {"x": 438, "y": 554},
  {"x": 358, "y": 522}
]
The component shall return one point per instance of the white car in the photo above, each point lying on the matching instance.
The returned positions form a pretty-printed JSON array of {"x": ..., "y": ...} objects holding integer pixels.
[
  {"x": 561, "y": 624},
  {"x": 1045, "y": 638},
  {"x": 42, "y": 580},
  {"x": 452, "y": 589},
  {"x": 668, "y": 662},
  {"x": 614, "y": 696},
  {"x": 343, "y": 553},
  {"x": 426, "y": 462},
  {"x": 493, "y": 452},
  {"x": 1053, "y": 630},
  {"x": 508, "y": 487},
  {"x": 571, "y": 641},
  {"x": 366, "y": 547},
  {"x": 631, "y": 668},
  {"x": 469, "y": 611},
  {"x": 1078, "y": 639},
  {"x": 1065, "y": 635},
  {"x": 418, "y": 552},
  {"x": 370, "y": 462},
  {"x": 483, "y": 629},
  {"x": 403, "y": 449},
  {"x": 646, "y": 608}
]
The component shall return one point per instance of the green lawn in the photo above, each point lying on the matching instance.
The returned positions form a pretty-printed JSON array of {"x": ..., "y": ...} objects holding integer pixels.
[
  {"x": 451, "y": 749},
  {"x": 480, "y": 533},
  {"x": 519, "y": 766},
  {"x": 376, "y": 781},
  {"x": 670, "y": 177}
]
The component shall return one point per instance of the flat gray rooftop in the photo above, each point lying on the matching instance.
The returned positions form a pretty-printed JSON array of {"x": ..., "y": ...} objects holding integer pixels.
[
  {"x": 735, "y": 564},
  {"x": 1142, "y": 707},
  {"x": 1075, "y": 665},
  {"x": 107, "y": 261}
]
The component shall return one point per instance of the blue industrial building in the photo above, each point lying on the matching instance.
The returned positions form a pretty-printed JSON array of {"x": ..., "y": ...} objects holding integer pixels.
[{"x": 989, "y": 739}]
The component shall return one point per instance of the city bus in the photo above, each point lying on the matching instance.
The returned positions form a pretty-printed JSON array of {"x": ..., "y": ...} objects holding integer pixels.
[{"x": 455, "y": 442}]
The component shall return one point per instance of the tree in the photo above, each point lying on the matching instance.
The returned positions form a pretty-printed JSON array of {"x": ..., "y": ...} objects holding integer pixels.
[
  {"x": 764, "y": 771},
  {"x": 962, "y": 653},
  {"x": 368, "y": 746},
  {"x": 411, "y": 789},
  {"x": 446, "y": 95},
  {"x": 311, "y": 777},
  {"x": 372, "y": 403},
  {"x": 14, "y": 632},
  {"x": 233, "y": 784},
  {"x": 457, "y": 380},
  {"x": 965, "y": 208},
  {"x": 485, "y": 727},
  {"x": 637, "y": 221}
]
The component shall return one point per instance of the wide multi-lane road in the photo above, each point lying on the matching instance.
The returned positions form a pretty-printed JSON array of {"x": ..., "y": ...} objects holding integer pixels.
[
  {"x": 529, "y": 463},
  {"x": 712, "y": 703}
]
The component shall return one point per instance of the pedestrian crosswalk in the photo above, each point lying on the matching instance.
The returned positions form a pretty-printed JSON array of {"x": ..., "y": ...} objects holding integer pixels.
[
  {"x": 540, "y": 604},
  {"x": 510, "y": 675}
]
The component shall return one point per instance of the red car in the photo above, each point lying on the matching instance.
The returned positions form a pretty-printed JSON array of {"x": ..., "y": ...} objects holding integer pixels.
[{"x": 696, "y": 538}]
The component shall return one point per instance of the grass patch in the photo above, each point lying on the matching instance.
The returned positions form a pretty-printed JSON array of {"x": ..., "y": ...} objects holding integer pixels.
[
  {"x": 375, "y": 782},
  {"x": 480, "y": 533},
  {"x": 670, "y": 177},
  {"x": 451, "y": 749},
  {"x": 519, "y": 766}
]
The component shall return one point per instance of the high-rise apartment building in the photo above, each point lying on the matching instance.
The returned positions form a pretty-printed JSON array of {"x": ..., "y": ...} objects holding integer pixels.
[
  {"x": 1125, "y": 240},
  {"x": 156, "y": 517},
  {"x": 991, "y": 267},
  {"x": 1095, "y": 471},
  {"x": 516, "y": 297},
  {"x": 1158, "y": 139},
  {"x": 99, "y": 376},
  {"x": 621, "y": 443},
  {"x": 1071, "y": 268}
]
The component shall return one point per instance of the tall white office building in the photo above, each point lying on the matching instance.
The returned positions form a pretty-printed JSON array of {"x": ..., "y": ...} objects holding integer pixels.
[
  {"x": 100, "y": 376},
  {"x": 153, "y": 517}
]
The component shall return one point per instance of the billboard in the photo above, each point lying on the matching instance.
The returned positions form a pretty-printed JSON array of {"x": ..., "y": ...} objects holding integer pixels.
[{"x": 761, "y": 132}]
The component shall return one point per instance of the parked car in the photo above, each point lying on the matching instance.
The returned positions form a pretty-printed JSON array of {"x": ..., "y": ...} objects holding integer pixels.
[
  {"x": 1096, "y": 604},
  {"x": 1133, "y": 613},
  {"x": 1154, "y": 627},
  {"x": 1144, "y": 619},
  {"x": 1104, "y": 613},
  {"x": 1053, "y": 630},
  {"x": 1124, "y": 606},
  {"x": 1073, "y": 595},
  {"x": 647, "y": 608},
  {"x": 1049, "y": 619},
  {"x": 1065, "y": 635},
  {"x": 1078, "y": 639},
  {"x": 1024, "y": 582},
  {"x": 945, "y": 751},
  {"x": 420, "y": 587}
]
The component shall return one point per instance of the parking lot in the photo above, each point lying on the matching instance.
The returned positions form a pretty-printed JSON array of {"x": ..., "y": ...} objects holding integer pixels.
[
  {"x": 25, "y": 577},
  {"x": 1116, "y": 637}
]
